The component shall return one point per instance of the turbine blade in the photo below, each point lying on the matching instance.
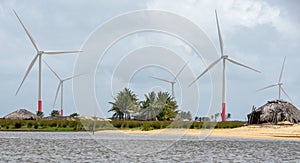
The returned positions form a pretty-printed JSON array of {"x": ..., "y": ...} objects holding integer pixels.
[
  {"x": 52, "y": 70},
  {"x": 57, "y": 91},
  {"x": 209, "y": 67},
  {"x": 177, "y": 75},
  {"x": 235, "y": 62},
  {"x": 27, "y": 72},
  {"x": 60, "y": 52},
  {"x": 286, "y": 94},
  {"x": 220, "y": 36},
  {"x": 75, "y": 76},
  {"x": 270, "y": 86},
  {"x": 28, "y": 34},
  {"x": 281, "y": 73},
  {"x": 161, "y": 79}
]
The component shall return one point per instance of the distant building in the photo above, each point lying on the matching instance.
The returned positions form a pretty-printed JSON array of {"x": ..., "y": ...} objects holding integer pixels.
[{"x": 21, "y": 114}]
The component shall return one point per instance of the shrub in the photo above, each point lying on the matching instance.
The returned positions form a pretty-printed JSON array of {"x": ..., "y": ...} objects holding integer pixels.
[
  {"x": 147, "y": 127},
  {"x": 155, "y": 125},
  {"x": 29, "y": 124},
  {"x": 40, "y": 114},
  {"x": 18, "y": 125},
  {"x": 74, "y": 114},
  {"x": 54, "y": 113},
  {"x": 53, "y": 124}
]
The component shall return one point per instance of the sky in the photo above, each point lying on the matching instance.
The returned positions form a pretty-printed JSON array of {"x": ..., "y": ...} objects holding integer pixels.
[{"x": 258, "y": 33}]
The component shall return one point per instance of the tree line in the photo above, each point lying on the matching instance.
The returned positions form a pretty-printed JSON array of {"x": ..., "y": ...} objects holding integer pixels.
[{"x": 156, "y": 106}]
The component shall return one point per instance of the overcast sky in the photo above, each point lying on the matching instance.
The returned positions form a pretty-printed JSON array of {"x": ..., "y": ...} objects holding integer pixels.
[{"x": 255, "y": 32}]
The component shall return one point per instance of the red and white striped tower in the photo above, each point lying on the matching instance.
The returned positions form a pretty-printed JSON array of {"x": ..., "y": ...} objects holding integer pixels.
[
  {"x": 60, "y": 88},
  {"x": 223, "y": 58},
  {"x": 38, "y": 55}
]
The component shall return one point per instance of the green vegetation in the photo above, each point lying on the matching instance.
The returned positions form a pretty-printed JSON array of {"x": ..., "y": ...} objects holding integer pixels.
[
  {"x": 41, "y": 125},
  {"x": 184, "y": 116},
  {"x": 54, "y": 113},
  {"x": 125, "y": 104},
  {"x": 40, "y": 114},
  {"x": 88, "y": 125},
  {"x": 143, "y": 125},
  {"x": 74, "y": 115},
  {"x": 161, "y": 106},
  {"x": 150, "y": 125},
  {"x": 202, "y": 119}
]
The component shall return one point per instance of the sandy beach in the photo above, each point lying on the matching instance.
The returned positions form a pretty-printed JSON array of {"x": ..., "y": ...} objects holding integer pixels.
[{"x": 266, "y": 131}]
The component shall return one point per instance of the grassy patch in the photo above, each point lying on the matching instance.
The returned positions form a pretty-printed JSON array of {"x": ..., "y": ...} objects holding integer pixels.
[
  {"x": 40, "y": 125},
  {"x": 89, "y": 125}
]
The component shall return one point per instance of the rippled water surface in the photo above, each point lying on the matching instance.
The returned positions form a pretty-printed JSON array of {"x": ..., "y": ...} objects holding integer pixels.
[{"x": 112, "y": 147}]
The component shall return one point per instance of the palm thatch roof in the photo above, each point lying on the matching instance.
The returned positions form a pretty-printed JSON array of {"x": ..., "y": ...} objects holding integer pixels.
[
  {"x": 21, "y": 114},
  {"x": 274, "y": 112}
]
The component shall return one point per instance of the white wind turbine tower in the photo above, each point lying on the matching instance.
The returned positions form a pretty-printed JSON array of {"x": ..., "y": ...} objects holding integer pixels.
[
  {"x": 60, "y": 88},
  {"x": 173, "y": 81},
  {"x": 38, "y": 56},
  {"x": 279, "y": 84},
  {"x": 223, "y": 58}
]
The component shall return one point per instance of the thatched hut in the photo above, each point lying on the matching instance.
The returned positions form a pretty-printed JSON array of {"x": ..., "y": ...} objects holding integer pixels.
[
  {"x": 21, "y": 114},
  {"x": 274, "y": 111}
]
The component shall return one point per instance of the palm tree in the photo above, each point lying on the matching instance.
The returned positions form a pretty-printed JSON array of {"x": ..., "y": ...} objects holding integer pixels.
[
  {"x": 159, "y": 106},
  {"x": 54, "y": 113},
  {"x": 217, "y": 116},
  {"x": 40, "y": 114},
  {"x": 149, "y": 107},
  {"x": 126, "y": 103},
  {"x": 167, "y": 105},
  {"x": 118, "y": 114},
  {"x": 133, "y": 105},
  {"x": 228, "y": 115}
]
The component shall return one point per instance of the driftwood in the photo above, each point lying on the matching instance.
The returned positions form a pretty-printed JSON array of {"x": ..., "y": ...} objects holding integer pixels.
[
  {"x": 21, "y": 114},
  {"x": 274, "y": 112}
]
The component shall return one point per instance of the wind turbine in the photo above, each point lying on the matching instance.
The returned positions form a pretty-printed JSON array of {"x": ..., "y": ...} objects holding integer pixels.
[
  {"x": 174, "y": 80},
  {"x": 223, "y": 58},
  {"x": 38, "y": 56},
  {"x": 279, "y": 84},
  {"x": 60, "y": 87}
]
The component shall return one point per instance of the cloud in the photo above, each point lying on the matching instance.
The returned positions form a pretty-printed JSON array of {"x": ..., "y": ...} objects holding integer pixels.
[{"x": 232, "y": 14}]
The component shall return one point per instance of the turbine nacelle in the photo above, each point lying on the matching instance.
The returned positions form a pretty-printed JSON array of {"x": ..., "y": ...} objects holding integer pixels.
[
  {"x": 40, "y": 52},
  {"x": 225, "y": 57}
]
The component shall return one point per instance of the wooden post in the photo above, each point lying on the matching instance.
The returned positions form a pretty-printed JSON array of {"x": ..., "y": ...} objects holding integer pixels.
[{"x": 94, "y": 125}]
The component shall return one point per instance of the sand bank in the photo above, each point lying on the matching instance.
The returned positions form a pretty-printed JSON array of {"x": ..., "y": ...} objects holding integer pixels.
[{"x": 268, "y": 131}]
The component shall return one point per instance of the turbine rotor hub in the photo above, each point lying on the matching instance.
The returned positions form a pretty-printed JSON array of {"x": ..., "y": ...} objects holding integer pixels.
[{"x": 40, "y": 52}]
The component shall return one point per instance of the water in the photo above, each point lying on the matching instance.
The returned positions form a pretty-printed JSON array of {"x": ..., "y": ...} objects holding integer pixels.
[{"x": 112, "y": 147}]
